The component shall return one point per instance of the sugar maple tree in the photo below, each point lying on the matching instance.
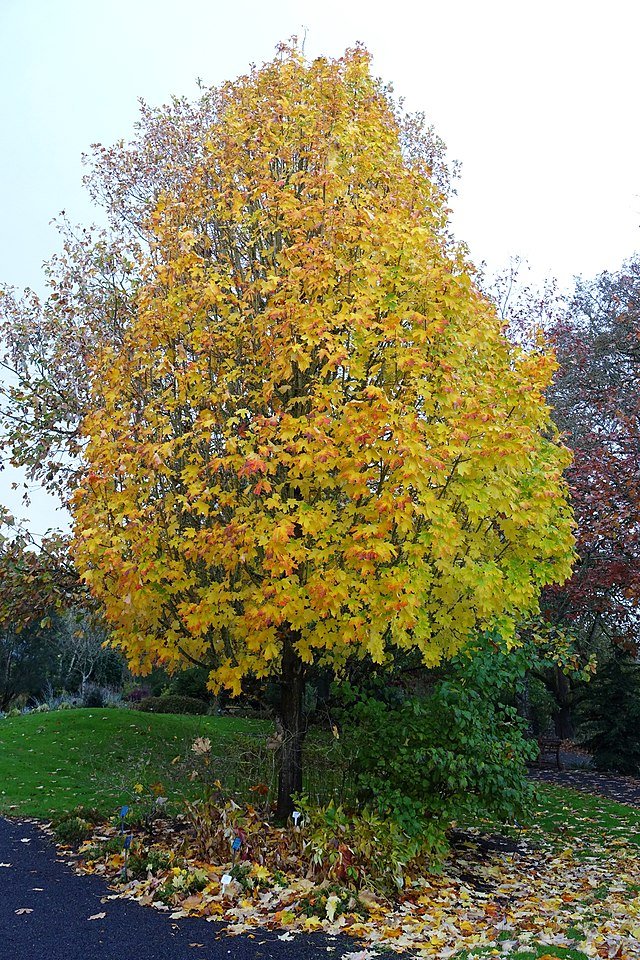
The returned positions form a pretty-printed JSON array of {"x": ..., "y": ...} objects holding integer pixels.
[{"x": 313, "y": 442}]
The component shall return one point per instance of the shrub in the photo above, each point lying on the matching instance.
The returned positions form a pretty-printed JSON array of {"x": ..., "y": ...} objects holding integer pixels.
[
  {"x": 143, "y": 861},
  {"x": 138, "y": 694},
  {"x": 172, "y": 703},
  {"x": 365, "y": 849},
  {"x": 192, "y": 682},
  {"x": 216, "y": 822},
  {"x": 104, "y": 848},
  {"x": 184, "y": 880},
  {"x": 459, "y": 752},
  {"x": 73, "y": 830},
  {"x": 93, "y": 697}
]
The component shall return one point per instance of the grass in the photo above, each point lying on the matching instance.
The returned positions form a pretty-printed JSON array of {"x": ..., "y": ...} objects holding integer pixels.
[
  {"x": 535, "y": 953},
  {"x": 52, "y": 762},
  {"x": 572, "y": 817},
  {"x": 567, "y": 817}
]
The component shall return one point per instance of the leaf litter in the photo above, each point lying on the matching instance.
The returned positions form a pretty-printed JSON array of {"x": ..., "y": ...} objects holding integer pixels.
[{"x": 488, "y": 900}]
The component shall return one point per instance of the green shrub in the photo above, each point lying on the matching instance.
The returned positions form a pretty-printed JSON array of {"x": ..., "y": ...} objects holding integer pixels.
[
  {"x": 172, "y": 703},
  {"x": 457, "y": 753},
  {"x": 192, "y": 682},
  {"x": 104, "y": 848},
  {"x": 73, "y": 831},
  {"x": 93, "y": 697},
  {"x": 185, "y": 880},
  {"x": 143, "y": 861}
]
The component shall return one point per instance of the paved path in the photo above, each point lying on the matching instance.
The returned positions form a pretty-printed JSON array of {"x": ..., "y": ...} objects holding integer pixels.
[
  {"x": 623, "y": 789},
  {"x": 34, "y": 878}
]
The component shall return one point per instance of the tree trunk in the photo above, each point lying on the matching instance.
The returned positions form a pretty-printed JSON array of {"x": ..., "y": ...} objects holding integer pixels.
[
  {"x": 291, "y": 699},
  {"x": 523, "y": 704},
  {"x": 564, "y": 699},
  {"x": 564, "y": 723}
]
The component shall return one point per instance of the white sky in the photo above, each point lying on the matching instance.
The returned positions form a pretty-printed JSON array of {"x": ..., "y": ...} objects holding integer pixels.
[{"x": 538, "y": 100}]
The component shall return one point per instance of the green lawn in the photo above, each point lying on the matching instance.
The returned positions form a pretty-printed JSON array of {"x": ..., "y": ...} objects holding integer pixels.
[
  {"x": 572, "y": 817},
  {"x": 535, "y": 953},
  {"x": 51, "y": 762}
]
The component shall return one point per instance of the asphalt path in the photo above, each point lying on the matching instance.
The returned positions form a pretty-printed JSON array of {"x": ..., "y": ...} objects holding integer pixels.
[
  {"x": 622, "y": 789},
  {"x": 45, "y": 911}
]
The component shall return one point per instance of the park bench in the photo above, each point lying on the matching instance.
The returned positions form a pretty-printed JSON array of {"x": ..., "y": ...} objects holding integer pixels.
[{"x": 549, "y": 747}]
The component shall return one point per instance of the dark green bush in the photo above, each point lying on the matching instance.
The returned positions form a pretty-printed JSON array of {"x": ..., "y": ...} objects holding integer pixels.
[
  {"x": 171, "y": 703},
  {"x": 93, "y": 697},
  {"x": 192, "y": 682},
  {"x": 455, "y": 754},
  {"x": 73, "y": 830}
]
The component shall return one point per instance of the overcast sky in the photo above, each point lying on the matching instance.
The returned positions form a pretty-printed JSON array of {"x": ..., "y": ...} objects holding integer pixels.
[{"x": 537, "y": 100}]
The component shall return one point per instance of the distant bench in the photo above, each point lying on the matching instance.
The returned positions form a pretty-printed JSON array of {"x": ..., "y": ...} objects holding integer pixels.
[{"x": 549, "y": 747}]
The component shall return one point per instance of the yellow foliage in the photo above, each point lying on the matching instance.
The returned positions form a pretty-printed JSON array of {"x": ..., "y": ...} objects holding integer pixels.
[{"x": 314, "y": 423}]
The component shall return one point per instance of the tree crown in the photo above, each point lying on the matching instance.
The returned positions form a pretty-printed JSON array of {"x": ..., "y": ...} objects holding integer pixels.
[{"x": 313, "y": 426}]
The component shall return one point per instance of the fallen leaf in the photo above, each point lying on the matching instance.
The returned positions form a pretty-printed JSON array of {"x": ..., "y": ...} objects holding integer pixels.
[
  {"x": 22, "y": 910},
  {"x": 97, "y": 916},
  {"x": 331, "y": 907}
]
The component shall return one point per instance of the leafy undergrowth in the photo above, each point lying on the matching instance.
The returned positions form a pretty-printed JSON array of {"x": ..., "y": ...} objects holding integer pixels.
[
  {"x": 569, "y": 892},
  {"x": 51, "y": 762}
]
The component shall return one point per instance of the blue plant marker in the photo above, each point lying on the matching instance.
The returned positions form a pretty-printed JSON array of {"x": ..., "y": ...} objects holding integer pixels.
[
  {"x": 127, "y": 844},
  {"x": 123, "y": 812},
  {"x": 235, "y": 846}
]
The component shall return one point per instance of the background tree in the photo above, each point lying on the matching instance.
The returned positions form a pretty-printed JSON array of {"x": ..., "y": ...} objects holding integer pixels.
[
  {"x": 36, "y": 579},
  {"x": 594, "y": 396},
  {"x": 44, "y": 349},
  {"x": 28, "y": 662},
  {"x": 609, "y": 710},
  {"x": 313, "y": 441}
]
